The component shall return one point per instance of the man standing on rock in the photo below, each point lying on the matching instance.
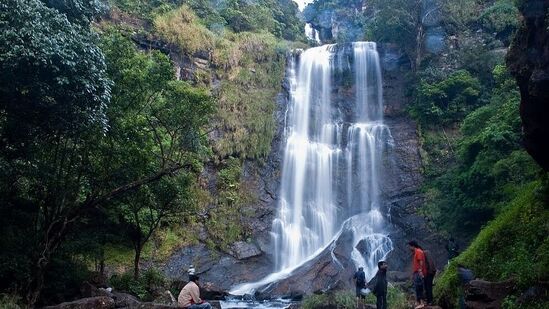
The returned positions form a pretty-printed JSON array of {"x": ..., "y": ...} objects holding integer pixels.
[
  {"x": 360, "y": 283},
  {"x": 419, "y": 271},
  {"x": 189, "y": 297},
  {"x": 378, "y": 285}
]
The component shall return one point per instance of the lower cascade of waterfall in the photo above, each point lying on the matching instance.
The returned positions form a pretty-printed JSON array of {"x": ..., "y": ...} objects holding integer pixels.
[{"x": 334, "y": 159}]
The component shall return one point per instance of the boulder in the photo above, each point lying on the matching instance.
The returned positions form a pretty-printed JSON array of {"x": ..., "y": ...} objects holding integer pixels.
[
  {"x": 210, "y": 291},
  {"x": 480, "y": 294},
  {"x": 152, "y": 306},
  {"x": 99, "y": 302},
  {"x": 122, "y": 300},
  {"x": 89, "y": 290},
  {"x": 243, "y": 250}
]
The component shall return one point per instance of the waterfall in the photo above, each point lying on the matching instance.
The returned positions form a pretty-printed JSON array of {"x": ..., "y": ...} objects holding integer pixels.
[
  {"x": 312, "y": 34},
  {"x": 333, "y": 160}
]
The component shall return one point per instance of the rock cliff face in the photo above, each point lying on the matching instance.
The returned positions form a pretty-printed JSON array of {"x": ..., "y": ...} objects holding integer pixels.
[
  {"x": 252, "y": 260},
  {"x": 528, "y": 60}
]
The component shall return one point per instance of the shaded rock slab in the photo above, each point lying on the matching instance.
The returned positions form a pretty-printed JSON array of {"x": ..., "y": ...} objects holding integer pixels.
[
  {"x": 217, "y": 270},
  {"x": 99, "y": 302},
  {"x": 480, "y": 294},
  {"x": 528, "y": 61},
  {"x": 401, "y": 191},
  {"x": 243, "y": 250},
  {"x": 331, "y": 270}
]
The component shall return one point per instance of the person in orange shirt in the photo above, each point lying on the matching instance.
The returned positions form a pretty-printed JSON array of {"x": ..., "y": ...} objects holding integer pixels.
[
  {"x": 419, "y": 271},
  {"x": 189, "y": 297}
]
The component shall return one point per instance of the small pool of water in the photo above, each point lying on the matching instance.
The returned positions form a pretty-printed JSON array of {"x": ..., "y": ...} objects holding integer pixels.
[{"x": 267, "y": 304}]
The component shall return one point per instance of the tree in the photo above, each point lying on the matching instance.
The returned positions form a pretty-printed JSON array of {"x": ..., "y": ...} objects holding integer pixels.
[
  {"x": 67, "y": 150},
  {"x": 447, "y": 101},
  {"x": 400, "y": 22}
]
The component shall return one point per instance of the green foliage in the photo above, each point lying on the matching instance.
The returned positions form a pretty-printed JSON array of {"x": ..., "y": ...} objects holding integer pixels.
[
  {"x": 447, "y": 101},
  {"x": 67, "y": 151},
  {"x": 144, "y": 287},
  {"x": 491, "y": 164},
  {"x": 458, "y": 14},
  {"x": 224, "y": 224},
  {"x": 253, "y": 66},
  {"x": 182, "y": 28},
  {"x": 396, "y": 22},
  {"x": 513, "y": 246},
  {"x": 501, "y": 17},
  {"x": 79, "y": 11},
  {"x": 279, "y": 18},
  {"x": 396, "y": 299},
  {"x": 57, "y": 79},
  {"x": 174, "y": 112},
  {"x": 341, "y": 299},
  {"x": 9, "y": 301}
]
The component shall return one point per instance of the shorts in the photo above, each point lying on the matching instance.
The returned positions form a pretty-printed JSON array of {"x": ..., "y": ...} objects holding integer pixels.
[{"x": 358, "y": 294}]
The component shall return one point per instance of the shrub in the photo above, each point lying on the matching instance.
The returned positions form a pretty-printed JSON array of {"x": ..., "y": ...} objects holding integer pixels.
[
  {"x": 9, "y": 301},
  {"x": 513, "y": 246},
  {"x": 252, "y": 68},
  {"x": 396, "y": 299},
  {"x": 446, "y": 101},
  {"x": 501, "y": 17},
  {"x": 182, "y": 28},
  {"x": 144, "y": 287}
]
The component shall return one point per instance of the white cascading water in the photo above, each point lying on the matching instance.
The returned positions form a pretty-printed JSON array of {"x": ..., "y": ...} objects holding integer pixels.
[{"x": 332, "y": 162}]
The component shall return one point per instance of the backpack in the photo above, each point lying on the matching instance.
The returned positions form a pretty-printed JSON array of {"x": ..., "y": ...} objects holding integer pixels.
[
  {"x": 360, "y": 278},
  {"x": 429, "y": 263}
]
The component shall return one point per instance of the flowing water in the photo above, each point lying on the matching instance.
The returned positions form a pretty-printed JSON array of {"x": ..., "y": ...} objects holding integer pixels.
[{"x": 333, "y": 160}]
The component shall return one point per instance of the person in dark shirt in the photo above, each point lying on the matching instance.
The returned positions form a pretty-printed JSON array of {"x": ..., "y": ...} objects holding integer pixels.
[
  {"x": 360, "y": 283},
  {"x": 378, "y": 285}
]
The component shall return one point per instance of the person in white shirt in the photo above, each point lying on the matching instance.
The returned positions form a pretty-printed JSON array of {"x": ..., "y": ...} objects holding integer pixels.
[{"x": 189, "y": 297}]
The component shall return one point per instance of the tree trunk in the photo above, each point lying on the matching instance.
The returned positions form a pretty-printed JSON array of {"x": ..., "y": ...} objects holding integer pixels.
[
  {"x": 36, "y": 283},
  {"x": 136, "y": 260},
  {"x": 419, "y": 36}
]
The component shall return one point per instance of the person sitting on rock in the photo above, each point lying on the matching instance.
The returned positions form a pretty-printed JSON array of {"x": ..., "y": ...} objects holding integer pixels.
[
  {"x": 378, "y": 285},
  {"x": 189, "y": 297}
]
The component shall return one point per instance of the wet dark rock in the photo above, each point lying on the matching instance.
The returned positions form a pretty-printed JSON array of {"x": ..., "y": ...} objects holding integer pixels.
[
  {"x": 329, "y": 271},
  {"x": 528, "y": 61},
  {"x": 212, "y": 292},
  {"x": 243, "y": 250},
  {"x": 485, "y": 294},
  {"x": 99, "y": 302}
]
